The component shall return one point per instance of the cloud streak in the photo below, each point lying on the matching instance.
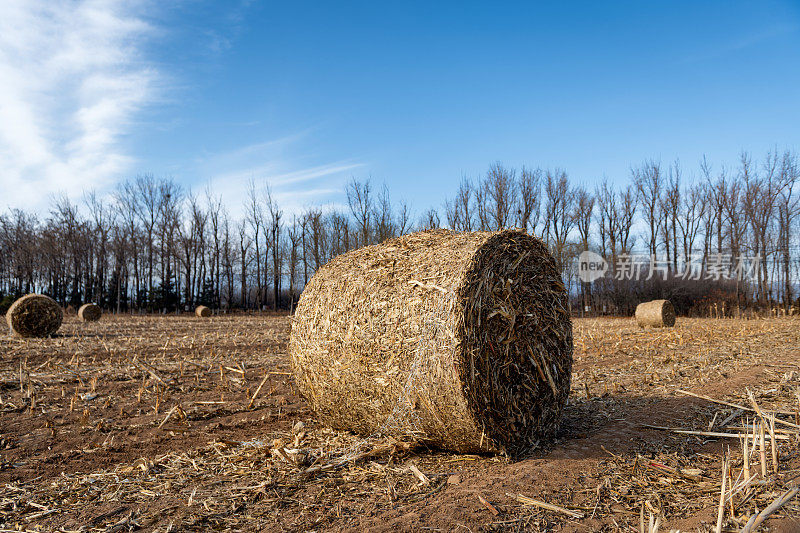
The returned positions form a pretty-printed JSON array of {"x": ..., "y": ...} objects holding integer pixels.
[
  {"x": 740, "y": 43},
  {"x": 295, "y": 181},
  {"x": 74, "y": 78},
  {"x": 280, "y": 179}
]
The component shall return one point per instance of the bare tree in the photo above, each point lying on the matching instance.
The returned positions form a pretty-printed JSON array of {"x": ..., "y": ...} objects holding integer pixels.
[
  {"x": 403, "y": 218},
  {"x": 559, "y": 217},
  {"x": 168, "y": 222},
  {"x": 692, "y": 210},
  {"x": 649, "y": 182},
  {"x": 215, "y": 217},
  {"x": 529, "y": 204},
  {"x": 318, "y": 237},
  {"x": 255, "y": 216},
  {"x": 244, "y": 260},
  {"x": 626, "y": 210},
  {"x": 383, "y": 215},
  {"x": 459, "y": 211},
  {"x": 761, "y": 195},
  {"x": 584, "y": 205},
  {"x": 670, "y": 205},
  {"x": 294, "y": 235},
  {"x": 338, "y": 234},
  {"x": 359, "y": 198},
  {"x": 606, "y": 200},
  {"x": 429, "y": 220},
  {"x": 103, "y": 218},
  {"x": 788, "y": 213},
  {"x": 498, "y": 196},
  {"x": 275, "y": 227},
  {"x": 229, "y": 259},
  {"x": 126, "y": 200},
  {"x": 147, "y": 188}
]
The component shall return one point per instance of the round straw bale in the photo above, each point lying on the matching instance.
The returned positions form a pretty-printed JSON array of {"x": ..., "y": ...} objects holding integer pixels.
[
  {"x": 89, "y": 312},
  {"x": 34, "y": 315},
  {"x": 202, "y": 311},
  {"x": 459, "y": 340},
  {"x": 656, "y": 314}
]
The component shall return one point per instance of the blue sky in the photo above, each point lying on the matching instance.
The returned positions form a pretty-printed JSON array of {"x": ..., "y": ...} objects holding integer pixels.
[{"x": 305, "y": 95}]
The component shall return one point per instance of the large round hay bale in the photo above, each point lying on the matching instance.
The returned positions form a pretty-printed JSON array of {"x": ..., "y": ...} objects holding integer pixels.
[
  {"x": 459, "y": 340},
  {"x": 656, "y": 314},
  {"x": 34, "y": 315},
  {"x": 89, "y": 312},
  {"x": 202, "y": 311}
]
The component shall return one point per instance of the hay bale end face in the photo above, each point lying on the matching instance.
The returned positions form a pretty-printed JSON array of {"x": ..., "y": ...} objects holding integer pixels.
[
  {"x": 459, "y": 340},
  {"x": 34, "y": 315},
  {"x": 655, "y": 314},
  {"x": 202, "y": 311},
  {"x": 89, "y": 313}
]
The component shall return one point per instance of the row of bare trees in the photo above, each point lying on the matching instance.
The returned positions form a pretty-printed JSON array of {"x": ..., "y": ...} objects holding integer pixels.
[{"x": 152, "y": 246}]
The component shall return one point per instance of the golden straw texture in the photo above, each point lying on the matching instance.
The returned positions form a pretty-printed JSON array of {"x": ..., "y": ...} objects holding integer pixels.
[
  {"x": 460, "y": 340},
  {"x": 656, "y": 314}
]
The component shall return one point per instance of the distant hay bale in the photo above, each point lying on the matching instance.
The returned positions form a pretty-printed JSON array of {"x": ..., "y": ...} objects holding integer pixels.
[
  {"x": 34, "y": 315},
  {"x": 89, "y": 312},
  {"x": 202, "y": 311},
  {"x": 459, "y": 340},
  {"x": 656, "y": 314}
]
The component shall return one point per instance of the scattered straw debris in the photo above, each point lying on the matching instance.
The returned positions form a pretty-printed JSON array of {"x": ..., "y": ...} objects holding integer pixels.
[{"x": 153, "y": 423}]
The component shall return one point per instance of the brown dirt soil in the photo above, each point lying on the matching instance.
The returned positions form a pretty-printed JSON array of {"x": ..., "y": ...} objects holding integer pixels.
[{"x": 149, "y": 423}]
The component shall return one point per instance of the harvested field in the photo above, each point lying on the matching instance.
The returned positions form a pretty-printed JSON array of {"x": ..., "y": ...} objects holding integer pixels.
[{"x": 170, "y": 423}]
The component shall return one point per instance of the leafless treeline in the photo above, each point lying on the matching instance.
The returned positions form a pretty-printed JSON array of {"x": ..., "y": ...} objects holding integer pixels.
[{"x": 153, "y": 246}]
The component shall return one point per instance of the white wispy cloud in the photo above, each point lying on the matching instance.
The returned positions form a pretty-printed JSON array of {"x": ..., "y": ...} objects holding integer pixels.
[
  {"x": 276, "y": 177},
  {"x": 741, "y": 42},
  {"x": 295, "y": 182},
  {"x": 73, "y": 80}
]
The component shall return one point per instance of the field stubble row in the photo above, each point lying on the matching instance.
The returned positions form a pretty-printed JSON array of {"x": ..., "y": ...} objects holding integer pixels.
[{"x": 180, "y": 422}]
